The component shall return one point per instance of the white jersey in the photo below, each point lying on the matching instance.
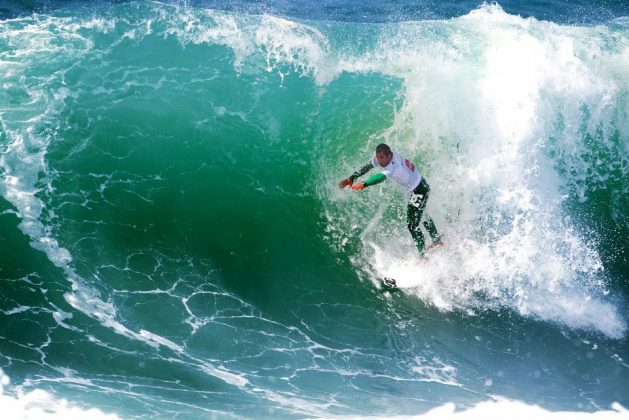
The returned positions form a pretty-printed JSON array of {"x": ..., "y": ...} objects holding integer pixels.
[{"x": 402, "y": 170}]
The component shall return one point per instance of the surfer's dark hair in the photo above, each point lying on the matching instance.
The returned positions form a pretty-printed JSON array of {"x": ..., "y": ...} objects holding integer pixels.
[{"x": 384, "y": 148}]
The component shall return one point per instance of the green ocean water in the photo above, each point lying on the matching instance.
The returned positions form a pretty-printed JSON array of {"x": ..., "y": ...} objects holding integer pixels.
[{"x": 174, "y": 242}]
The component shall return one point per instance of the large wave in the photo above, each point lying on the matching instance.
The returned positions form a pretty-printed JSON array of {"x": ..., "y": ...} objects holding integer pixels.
[
  {"x": 174, "y": 161},
  {"x": 506, "y": 117},
  {"x": 511, "y": 120}
]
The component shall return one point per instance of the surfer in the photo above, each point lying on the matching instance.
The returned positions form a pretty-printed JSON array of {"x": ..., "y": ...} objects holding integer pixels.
[{"x": 404, "y": 172}]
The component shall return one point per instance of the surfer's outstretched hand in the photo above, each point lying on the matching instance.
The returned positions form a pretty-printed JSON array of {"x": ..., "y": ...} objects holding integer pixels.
[
  {"x": 344, "y": 183},
  {"x": 359, "y": 186}
]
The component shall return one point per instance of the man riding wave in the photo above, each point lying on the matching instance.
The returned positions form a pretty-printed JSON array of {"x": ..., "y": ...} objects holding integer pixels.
[{"x": 405, "y": 173}]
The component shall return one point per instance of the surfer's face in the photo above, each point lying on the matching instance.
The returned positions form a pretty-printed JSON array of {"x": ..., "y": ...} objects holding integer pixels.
[{"x": 383, "y": 159}]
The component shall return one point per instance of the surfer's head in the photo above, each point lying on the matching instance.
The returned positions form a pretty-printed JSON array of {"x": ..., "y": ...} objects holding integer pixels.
[{"x": 383, "y": 154}]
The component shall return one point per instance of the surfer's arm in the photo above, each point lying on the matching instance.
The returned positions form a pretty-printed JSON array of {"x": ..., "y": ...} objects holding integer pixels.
[
  {"x": 372, "y": 180},
  {"x": 375, "y": 179},
  {"x": 362, "y": 171}
]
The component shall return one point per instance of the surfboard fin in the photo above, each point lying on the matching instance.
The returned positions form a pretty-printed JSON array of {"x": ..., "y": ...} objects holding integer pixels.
[{"x": 390, "y": 282}]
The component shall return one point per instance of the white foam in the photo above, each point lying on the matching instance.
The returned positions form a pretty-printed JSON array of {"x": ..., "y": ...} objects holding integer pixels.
[
  {"x": 435, "y": 371},
  {"x": 279, "y": 42},
  {"x": 299, "y": 45},
  {"x": 39, "y": 404},
  {"x": 480, "y": 116},
  {"x": 502, "y": 408}
]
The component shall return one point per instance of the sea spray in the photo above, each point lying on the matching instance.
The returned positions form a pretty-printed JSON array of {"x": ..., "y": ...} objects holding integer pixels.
[{"x": 482, "y": 140}]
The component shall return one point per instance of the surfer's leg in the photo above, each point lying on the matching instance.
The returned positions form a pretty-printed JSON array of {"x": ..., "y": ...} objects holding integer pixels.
[
  {"x": 417, "y": 236},
  {"x": 414, "y": 212},
  {"x": 432, "y": 229},
  {"x": 420, "y": 195}
]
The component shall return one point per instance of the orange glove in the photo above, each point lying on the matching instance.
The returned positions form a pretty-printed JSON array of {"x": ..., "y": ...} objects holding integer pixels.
[
  {"x": 358, "y": 187},
  {"x": 344, "y": 183}
]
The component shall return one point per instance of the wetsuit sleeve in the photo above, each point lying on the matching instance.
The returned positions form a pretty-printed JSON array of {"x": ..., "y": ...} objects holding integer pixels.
[
  {"x": 375, "y": 179},
  {"x": 362, "y": 171}
]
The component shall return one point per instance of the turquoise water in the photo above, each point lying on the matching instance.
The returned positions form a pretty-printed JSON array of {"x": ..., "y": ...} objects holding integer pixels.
[{"x": 174, "y": 241}]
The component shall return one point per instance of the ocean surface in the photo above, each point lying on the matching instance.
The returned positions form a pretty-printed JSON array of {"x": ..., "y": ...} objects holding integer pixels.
[{"x": 173, "y": 242}]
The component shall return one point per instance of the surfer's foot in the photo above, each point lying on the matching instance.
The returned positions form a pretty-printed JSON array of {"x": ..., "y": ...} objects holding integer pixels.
[
  {"x": 437, "y": 241},
  {"x": 390, "y": 282}
]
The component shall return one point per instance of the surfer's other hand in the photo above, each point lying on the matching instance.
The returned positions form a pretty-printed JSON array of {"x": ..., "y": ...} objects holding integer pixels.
[{"x": 344, "y": 183}]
